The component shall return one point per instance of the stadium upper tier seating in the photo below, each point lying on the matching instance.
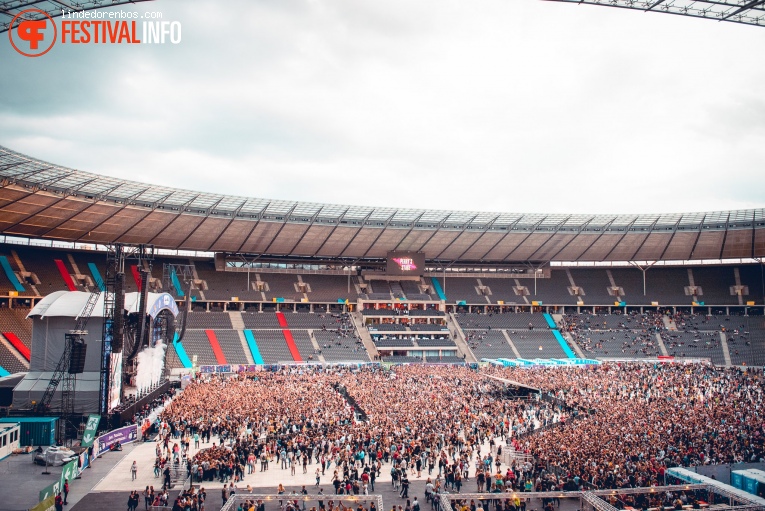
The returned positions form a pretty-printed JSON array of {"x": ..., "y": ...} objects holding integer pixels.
[
  {"x": 248, "y": 328},
  {"x": 301, "y": 337},
  {"x": 41, "y": 271}
]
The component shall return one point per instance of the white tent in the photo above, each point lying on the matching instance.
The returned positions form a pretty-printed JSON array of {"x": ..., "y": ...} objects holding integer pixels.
[{"x": 70, "y": 304}]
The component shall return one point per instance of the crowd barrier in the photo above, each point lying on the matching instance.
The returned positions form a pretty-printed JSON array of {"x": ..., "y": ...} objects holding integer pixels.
[
  {"x": 127, "y": 412},
  {"x": 250, "y": 368},
  {"x": 75, "y": 467}
]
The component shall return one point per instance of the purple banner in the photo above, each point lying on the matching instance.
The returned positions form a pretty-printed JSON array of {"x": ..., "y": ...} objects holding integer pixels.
[{"x": 122, "y": 435}]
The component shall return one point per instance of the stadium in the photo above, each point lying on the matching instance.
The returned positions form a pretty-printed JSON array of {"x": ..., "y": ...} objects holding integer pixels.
[{"x": 239, "y": 352}]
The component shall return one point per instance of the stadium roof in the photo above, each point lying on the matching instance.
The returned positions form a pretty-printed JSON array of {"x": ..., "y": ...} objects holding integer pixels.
[
  {"x": 747, "y": 12},
  {"x": 34, "y": 9},
  {"x": 42, "y": 200}
]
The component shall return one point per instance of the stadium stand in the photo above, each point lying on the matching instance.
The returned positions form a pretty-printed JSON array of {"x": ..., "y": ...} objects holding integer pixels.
[
  {"x": 252, "y": 344},
  {"x": 402, "y": 359},
  {"x": 500, "y": 290},
  {"x": 304, "y": 345},
  {"x": 11, "y": 275},
  {"x": 694, "y": 344},
  {"x": 22, "y": 349},
  {"x": 214, "y": 320},
  {"x": 444, "y": 360},
  {"x": 552, "y": 290},
  {"x": 220, "y": 357},
  {"x": 716, "y": 284},
  {"x": 42, "y": 270},
  {"x": 196, "y": 343},
  {"x": 665, "y": 285},
  {"x": 257, "y": 320},
  {"x": 458, "y": 289},
  {"x": 619, "y": 344},
  {"x": 329, "y": 288},
  {"x": 536, "y": 344},
  {"x": 595, "y": 284},
  {"x": 337, "y": 346},
  {"x": 434, "y": 343},
  {"x": 756, "y": 347},
  {"x": 379, "y": 290},
  {"x": 412, "y": 291},
  {"x": 14, "y": 320},
  {"x": 386, "y": 327},
  {"x": 231, "y": 346},
  {"x": 380, "y": 312},
  {"x": 397, "y": 291},
  {"x": 427, "y": 327},
  {"x": 8, "y": 359},
  {"x": 438, "y": 289},
  {"x": 504, "y": 320},
  {"x": 490, "y": 344},
  {"x": 273, "y": 348},
  {"x": 391, "y": 342},
  {"x": 302, "y": 320},
  {"x": 425, "y": 312}
]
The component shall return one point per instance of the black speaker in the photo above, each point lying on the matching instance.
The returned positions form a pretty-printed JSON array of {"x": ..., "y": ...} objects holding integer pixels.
[{"x": 77, "y": 359}]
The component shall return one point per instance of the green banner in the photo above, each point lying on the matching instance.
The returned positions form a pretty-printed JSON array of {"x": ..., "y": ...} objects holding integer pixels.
[
  {"x": 50, "y": 491},
  {"x": 89, "y": 436},
  {"x": 46, "y": 505},
  {"x": 69, "y": 472}
]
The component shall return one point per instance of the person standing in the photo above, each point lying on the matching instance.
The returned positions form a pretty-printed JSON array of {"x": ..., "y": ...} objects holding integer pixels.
[
  {"x": 66, "y": 491},
  {"x": 59, "y": 502},
  {"x": 134, "y": 470},
  {"x": 166, "y": 483}
]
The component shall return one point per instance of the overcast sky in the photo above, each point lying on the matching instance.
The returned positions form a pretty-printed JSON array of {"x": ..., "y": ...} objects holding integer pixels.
[{"x": 489, "y": 105}]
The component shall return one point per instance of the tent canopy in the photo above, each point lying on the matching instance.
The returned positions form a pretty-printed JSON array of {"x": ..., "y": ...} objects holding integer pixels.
[{"x": 71, "y": 303}]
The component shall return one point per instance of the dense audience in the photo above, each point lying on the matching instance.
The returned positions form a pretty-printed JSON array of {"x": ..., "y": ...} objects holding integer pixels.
[
  {"x": 609, "y": 426},
  {"x": 646, "y": 418}
]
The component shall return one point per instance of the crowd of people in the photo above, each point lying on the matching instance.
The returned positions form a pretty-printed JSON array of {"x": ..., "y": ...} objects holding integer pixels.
[
  {"x": 619, "y": 335},
  {"x": 608, "y": 426},
  {"x": 644, "y": 418}
]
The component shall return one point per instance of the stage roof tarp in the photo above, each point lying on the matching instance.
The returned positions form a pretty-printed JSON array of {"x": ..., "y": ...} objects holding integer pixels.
[
  {"x": 71, "y": 303},
  {"x": 34, "y": 384}
]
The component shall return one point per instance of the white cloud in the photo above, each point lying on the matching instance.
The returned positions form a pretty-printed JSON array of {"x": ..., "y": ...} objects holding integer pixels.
[{"x": 511, "y": 106}]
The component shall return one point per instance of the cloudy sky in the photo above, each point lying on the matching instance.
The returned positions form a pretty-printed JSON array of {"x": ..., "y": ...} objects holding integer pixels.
[{"x": 489, "y": 105}]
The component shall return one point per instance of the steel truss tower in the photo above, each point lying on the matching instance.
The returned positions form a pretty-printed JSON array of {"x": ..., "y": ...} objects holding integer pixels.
[{"x": 113, "y": 338}]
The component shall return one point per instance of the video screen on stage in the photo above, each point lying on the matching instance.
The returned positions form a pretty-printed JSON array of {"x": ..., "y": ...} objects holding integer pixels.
[
  {"x": 115, "y": 380},
  {"x": 405, "y": 263}
]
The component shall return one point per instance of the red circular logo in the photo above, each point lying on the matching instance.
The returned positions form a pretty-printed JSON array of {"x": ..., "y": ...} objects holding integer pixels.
[{"x": 30, "y": 34}]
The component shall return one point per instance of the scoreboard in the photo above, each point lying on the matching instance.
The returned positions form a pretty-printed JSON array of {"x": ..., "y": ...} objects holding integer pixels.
[{"x": 405, "y": 263}]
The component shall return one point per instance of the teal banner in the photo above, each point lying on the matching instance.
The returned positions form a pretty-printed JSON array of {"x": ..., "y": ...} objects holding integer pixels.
[{"x": 89, "y": 435}]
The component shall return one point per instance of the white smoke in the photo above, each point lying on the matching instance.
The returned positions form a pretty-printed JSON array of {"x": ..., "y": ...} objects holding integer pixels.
[{"x": 151, "y": 366}]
